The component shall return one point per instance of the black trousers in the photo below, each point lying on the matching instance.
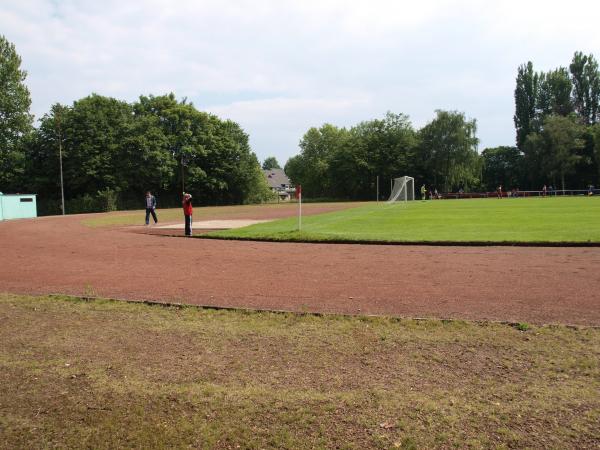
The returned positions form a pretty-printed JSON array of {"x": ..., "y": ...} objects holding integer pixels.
[
  {"x": 148, "y": 212},
  {"x": 188, "y": 225}
]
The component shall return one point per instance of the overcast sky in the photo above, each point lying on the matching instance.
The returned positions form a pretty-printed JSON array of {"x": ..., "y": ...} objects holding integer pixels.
[{"x": 280, "y": 67}]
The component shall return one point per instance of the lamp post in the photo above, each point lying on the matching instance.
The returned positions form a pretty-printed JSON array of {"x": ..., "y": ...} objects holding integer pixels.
[{"x": 62, "y": 187}]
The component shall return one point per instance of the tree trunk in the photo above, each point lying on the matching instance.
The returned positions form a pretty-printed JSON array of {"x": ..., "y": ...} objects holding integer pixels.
[{"x": 562, "y": 179}]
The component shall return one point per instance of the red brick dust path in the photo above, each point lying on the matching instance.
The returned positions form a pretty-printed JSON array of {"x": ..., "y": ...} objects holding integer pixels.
[{"x": 519, "y": 284}]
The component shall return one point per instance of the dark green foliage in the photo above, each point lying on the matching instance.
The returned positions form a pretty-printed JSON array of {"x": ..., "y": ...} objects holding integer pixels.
[
  {"x": 595, "y": 135},
  {"x": 345, "y": 163},
  {"x": 554, "y": 94},
  {"x": 114, "y": 151},
  {"x": 340, "y": 163},
  {"x": 554, "y": 112},
  {"x": 526, "y": 93},
  {"x": 555, "y": 149},
  {"x": 449, "y": 150},
  {"x": 270, "y": 163},
  {"x": 586, "y": 87},
  {"x": 502, "y": 165},
  {"x": 15, "y": 120}
]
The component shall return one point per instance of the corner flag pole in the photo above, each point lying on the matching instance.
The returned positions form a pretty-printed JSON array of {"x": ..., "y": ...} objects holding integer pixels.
[{"x": 299, "y": 195}]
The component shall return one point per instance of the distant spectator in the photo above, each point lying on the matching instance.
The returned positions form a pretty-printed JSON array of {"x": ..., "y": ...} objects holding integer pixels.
[
  {"x": 499, "y": 191},
  {"x": 423, "y": 193},
  {"x": 544, "y": 191},
  {"x": 150, "y": 208},
  {"x": 551, "y": 189},
  {"x": 591, "y": 189}
]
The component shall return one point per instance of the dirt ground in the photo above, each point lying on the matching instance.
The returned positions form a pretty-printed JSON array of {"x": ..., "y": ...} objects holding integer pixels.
[
  {"x": 108, "y": 375},
  {"x": 533, "y": 284}
]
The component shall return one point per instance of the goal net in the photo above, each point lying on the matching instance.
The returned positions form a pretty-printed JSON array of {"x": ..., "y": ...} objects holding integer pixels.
[{"x": 402, "y": 190}]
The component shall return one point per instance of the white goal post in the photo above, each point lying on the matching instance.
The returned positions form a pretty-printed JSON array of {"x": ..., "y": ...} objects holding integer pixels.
[{"x": 403, "y": 190}]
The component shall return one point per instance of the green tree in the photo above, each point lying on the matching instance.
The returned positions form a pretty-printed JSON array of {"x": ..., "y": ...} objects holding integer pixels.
[
  {"x": 15, "y": 119},
  {"x": 383, "y": 148},
  {"x": 554, "y": 94},
  {"x": 595, "y": 133},
  {"x": 502, "y": 165},
  {"x": 534, "y": 154},
  {"x": 94, "y": 130},
  {"x": 311, "y": 167},
  {"x": 526, "y": 94},
  {"x": 586, "y": 87},
  {"x": 562, "y": 139},
  {"x": 341, "y": 163},
  {"x": 449, "y": 150},
  {"x": 211, "y": 156},
  {"x": 270, "y": 163}
]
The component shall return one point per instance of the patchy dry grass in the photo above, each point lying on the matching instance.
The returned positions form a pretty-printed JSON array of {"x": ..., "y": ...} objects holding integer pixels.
[{"x": 104, "y": 374}]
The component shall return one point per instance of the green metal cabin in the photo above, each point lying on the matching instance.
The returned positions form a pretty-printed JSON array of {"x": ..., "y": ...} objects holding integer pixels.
[{"x": 18, "y": 206}]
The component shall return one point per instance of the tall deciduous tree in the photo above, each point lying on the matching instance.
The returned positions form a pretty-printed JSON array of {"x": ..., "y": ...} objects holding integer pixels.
[
  {"x": 595, "y": 132},
  {"x": 270, "y": 163},
  {"x": 586, "y": 87},
  {"x": 502, "y": 165},
  {"x": 449, "y": 149},
  {"x": 526, "y": 94},
  {"x": 15, "y": 119},
  {"x": 554, "y": 94},
  {"x": 561, "y": 138},
  {"x": 311, "y": 167}
]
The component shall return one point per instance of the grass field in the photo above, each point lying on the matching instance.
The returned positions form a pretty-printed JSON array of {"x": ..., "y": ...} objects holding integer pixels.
[
  {"x": 524, "y": 220},
  {"x": 105, "y": 374}
]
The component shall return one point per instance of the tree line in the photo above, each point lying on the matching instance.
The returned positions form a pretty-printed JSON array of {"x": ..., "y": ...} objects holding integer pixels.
[
  {"x": 556, "y": 120},
  {"x": 113, "y": 151},
  {"x": 345, "y": 162},
  {"x": 557, "y": 136}
]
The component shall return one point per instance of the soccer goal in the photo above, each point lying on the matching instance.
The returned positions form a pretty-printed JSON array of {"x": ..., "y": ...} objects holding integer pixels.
[{"x": 403, "y": 190}]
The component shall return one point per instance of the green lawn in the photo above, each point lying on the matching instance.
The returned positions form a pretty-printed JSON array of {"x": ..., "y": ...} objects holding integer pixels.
[
  {"x": 532, "y": 220},
  {"x": 105, "y": 374}
]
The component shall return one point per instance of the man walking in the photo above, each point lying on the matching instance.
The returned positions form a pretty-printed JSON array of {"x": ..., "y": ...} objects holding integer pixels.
[
  {"x": 187, "y": 213},
  {"x": 150, "y": 208}
]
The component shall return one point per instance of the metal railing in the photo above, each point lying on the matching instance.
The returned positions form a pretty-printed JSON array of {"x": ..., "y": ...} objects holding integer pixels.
[{"x": 517, "y": 194}]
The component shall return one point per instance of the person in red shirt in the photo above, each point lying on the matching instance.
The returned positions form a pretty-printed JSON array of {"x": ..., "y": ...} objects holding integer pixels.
[{"x": 187, "y": 213}]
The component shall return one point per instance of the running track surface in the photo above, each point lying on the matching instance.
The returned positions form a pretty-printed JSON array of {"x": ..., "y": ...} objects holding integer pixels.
[{"x": 517, "y": 284}]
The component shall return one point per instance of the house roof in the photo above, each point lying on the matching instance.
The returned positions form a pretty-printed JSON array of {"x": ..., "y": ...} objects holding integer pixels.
[{"x": 276, "y": 178}]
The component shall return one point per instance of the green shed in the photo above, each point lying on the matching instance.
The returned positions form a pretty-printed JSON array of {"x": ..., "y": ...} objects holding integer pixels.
[{"x": 18, "y": 206}]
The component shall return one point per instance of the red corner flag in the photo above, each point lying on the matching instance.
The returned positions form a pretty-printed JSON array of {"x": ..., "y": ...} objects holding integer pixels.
[{"x": 299, "y": 192}]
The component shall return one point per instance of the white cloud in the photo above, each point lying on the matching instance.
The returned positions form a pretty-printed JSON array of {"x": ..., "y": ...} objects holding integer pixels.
[{"x": 279, "y": 67}]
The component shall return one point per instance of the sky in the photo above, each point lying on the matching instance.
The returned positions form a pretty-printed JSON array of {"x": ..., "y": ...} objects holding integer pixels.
[{"x": 280, "y": 67}]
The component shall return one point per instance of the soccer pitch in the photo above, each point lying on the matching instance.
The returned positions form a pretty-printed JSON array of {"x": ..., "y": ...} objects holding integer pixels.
[{"x": 518, "y": 220}]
